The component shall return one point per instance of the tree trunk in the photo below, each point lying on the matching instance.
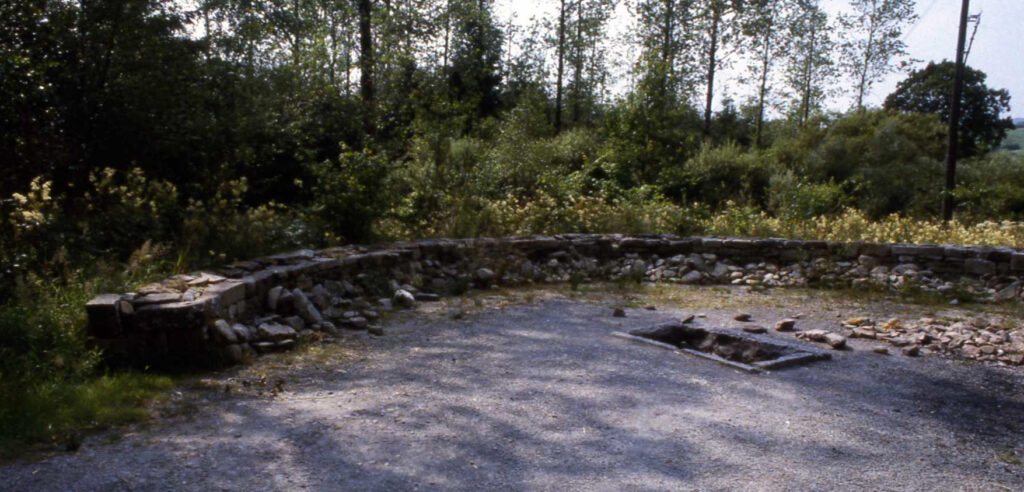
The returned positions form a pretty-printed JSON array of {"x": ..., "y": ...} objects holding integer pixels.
[
  {"x": 561, "y": 68},
  {"x": 667, "y": 52},
  {"x": 577, "y": 92},
  {"x": 366, "y": 64},
  {"x": 808, "y": 74},
  {"x": 716, "y": 14},
  {"x": 762, "y": 94}
]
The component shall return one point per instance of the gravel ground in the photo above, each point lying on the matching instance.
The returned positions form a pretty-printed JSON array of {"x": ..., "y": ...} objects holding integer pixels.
[{"x": 540, "y": 397}]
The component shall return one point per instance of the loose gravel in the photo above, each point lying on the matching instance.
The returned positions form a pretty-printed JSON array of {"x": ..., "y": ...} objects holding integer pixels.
[{"x": 540, "y": 397}]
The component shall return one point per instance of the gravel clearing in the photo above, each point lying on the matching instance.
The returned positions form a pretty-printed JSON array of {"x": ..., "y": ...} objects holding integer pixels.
[{"x": 540, "y": 397}]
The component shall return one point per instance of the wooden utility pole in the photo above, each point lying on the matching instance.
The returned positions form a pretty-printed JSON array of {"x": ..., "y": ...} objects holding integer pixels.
[{"x": 954, "y": 116}]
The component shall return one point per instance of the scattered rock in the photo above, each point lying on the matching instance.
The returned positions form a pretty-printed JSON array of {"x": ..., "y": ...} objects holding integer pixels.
[
  {"x": 755, "y": 329},
  {"x": 687, "y": 319},
  {"x": 833, "y": 340},
  {"x": 619, "y": 313},
  {"x": 880, "y": 350},
  {"x": 911, "y": 351},
  {"x": 404, "y": 298},
  {"x": 742, "y": 317},
  {"x": 787, "y": 324}
]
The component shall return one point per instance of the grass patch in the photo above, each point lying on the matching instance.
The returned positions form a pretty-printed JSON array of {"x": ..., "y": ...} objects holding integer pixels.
[
  {"x": 1010, "y": 458},
  {"x": 57, "y": 412},
  {"x": 52, "y": 386}
]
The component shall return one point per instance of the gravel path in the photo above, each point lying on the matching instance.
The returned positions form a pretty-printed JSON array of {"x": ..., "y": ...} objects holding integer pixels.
[{"x": 539, "y": 397}]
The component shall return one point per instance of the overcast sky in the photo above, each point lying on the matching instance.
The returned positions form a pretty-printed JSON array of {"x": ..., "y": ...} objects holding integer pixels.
[{"x": 998, "y": 48}]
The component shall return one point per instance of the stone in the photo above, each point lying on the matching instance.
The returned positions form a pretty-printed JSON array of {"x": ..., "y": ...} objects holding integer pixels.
[
  {"x": 404, "y": 298},
  {"x": 296, "y": 322},
  {"x": 234, "y": 354},
  {"x": 425, "y": 297},
  {"x": 229, "y": 292},
  {"x": 755, "y": 329},
  {"x": 692, "y": 277},
  {"x": 833, "y": 340},
  {"x": 285, "y": 344},
  {"x": 241, "y": 332},
  {"x": 485, "y": 275},
  {"x": 275, "y": 332},
  {"x": 1008, "y": 293},
  {"x": 157, "y": 298},
  {"x": 868, "y": 261},
  {"x": 104, "y": 313},
  {"x": 862, "y": 332},
  {"x": 376, "y": 331},
  {"x": 880, "y": 350},
  {"x": 619, "y": 313},
  {"x": 911, "y": 351},
  {"x": 285, "y": 303},
  {"x": 787, "y": 324},
  {"x": 205, "y": 278},
  {"x": 977, "y": 266},
  {"x": 223, "y": 333},
  {"x": 687, "y": 319},
  {"x": 309, "y": 313},
  {"x": 860, "y": 321},
  {"x": 1017, "y": 262},
  {"x": 320, "y": 296},
  {"x": 264, "y": 347},
  {"x": 742, "y": 317}
]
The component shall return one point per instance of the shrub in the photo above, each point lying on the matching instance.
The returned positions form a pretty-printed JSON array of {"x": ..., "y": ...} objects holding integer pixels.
[
  {"x": 347, "y": 194},
  {"x": 718, "y": 174},
  {"x": 887, "y": 162}
]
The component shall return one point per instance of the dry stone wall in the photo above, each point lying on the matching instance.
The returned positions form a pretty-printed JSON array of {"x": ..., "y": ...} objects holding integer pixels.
[{"x": 222, "y": 316}]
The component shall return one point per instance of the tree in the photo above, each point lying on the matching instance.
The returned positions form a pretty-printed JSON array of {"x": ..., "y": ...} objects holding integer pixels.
[
  {"x": 717, "y": 25},
  {"x": 576, "y": 39},
  {"x": 475, "y": 72},
  {"x": 810, "y": 68},
  {"x": 928, "y": 91},
  {"x": 667, "y": 50},
  {"x": 873, "y": 35},
  {"x": 764, "y": 26}
]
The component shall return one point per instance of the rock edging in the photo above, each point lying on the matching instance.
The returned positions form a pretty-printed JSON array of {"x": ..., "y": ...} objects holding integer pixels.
[{"x": 222, "y": 316}]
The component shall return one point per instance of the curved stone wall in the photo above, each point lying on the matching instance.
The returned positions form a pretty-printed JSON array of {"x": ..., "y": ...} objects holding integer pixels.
[{"x": 224, "y": 315}]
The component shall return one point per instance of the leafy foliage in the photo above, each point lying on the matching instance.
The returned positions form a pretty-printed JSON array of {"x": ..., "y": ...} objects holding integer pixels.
[{"x": 928, "y": 91}]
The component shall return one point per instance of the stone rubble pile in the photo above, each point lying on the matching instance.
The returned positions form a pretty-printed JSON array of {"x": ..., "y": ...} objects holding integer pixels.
[
  {"x": 974, "y": 339},
  {"x": 224, "y": 315}
]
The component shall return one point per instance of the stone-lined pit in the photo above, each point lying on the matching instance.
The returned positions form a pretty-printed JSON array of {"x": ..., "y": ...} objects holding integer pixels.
[{"x": 747, "y": 352}]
